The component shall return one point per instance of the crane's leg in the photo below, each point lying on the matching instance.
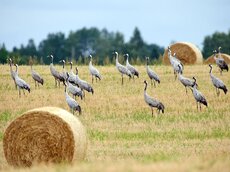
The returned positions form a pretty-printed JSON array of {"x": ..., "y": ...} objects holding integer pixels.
[
  {"x": 197, "y": 106},
  {"x": 23, "y": 91},
  {"x": 121, "y": 79},
  {"x": 19, "y": 92},
  {"x": 154, "y": 84},
  {"x": 152, "y": 111},
  {"x": 92, "y": 79},
  {"x": 15, "y": 85},
  {"x": 200, "y": 106},
  {"x": 59, "y": 83},
  {"x": 220, "y": 72},
  {"x": 186, "y": 90},
  {"x": 96, "y": 79},
  {"x": 55, "y": 82},
  {"x": 151, "y": 81},
  {"x": 35, "y": 84}
]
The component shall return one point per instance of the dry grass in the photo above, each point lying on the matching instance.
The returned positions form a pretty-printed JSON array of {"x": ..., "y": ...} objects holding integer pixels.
[{"x": 122, "y": 134}]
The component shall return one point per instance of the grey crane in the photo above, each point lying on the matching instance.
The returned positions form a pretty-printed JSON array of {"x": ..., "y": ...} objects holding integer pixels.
[
  {"x": 153, "y": 103},
  {"x": 74, "y": 90},
  {"x": 12, "y": 73},
  {"x": 21, "y": 84},
  {"x": 62, "y": 74},
  {"x": 220, "y": 61},
  {"x": 72, "y": 76},
  {"x": 175, "y": 62},
  {"x": 83, "y": 84},
  {"x": 122, "y": 69},
  {"x": 199, "y": 97},
  {"x": 152, "y": 75},
  {"x": 37, "y": 78},
  {"x": 73, "y": 105},
  {"x": 93, "y": 71},
  {"x": 55, "y": 73},
  {"x": 132, "y": 69},
  {"x": 187, "y": 82},
  {"x": 218, "y": 83}
]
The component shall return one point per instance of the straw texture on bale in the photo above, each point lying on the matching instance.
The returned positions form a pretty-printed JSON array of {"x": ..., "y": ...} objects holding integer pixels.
[
  {"x": 211, "y": 60},
  {"x": 186, "y": 52},
  {"x": 46, "y": 134}
]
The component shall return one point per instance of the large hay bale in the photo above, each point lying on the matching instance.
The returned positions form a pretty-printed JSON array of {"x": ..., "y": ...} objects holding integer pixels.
[
  {"x": 187, "y": 52},
  {"x": 211, "y": 60},
  {"x": 46, "y": 134}
]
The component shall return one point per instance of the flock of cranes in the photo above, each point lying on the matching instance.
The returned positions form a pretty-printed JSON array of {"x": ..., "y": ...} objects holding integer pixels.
[{"x": 76, "y": 86}]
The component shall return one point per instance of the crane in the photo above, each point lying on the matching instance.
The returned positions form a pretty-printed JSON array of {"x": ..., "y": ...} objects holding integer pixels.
[
  {"x": 132, "y": 69},
  {"x": 21, "y": 84},
  {"x": 122, "y": 69},
  {"x": 37, "y": 78},
  {"x": 220, "y": 61},
  {"x": 73, "y": 105},
  {"x": 93, "y": 71},
  {"x": 152, "y": 75},
  {"x": 55, "y": 73},
  {"x": 218, "y": 83},
  {"x": 83, "y": 84},
  {"x": 12, "y": 73},
  {"x": 199, "y": 97},
  {"x": 175, "y": 62},
  {"x": 153, "y": 103}
]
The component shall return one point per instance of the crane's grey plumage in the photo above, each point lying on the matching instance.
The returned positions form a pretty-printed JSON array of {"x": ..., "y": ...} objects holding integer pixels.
[
  {"x": 199, "y": 97},
  {"x": 175, "y": 62},
  {"x": 73, "y": 105},
  {"x": 153, "y": 103},
  {"x": 220, "y": 61},
  {"x": 132, "y": 69},
  {"x": 72, "y": 76},
  {"x": 93, "y": 71},
  {"x": 122, "y": 69},
  {"x": 55, "y": 73},
  {"x": 21, "y": 84},
  {"x": 187, "y": 82},
  {"x": 218, "y": 83},
  {"x": 74, "y": 90},
  {"x": 37, "y": 78},
  {"x": 12, "y": 73},
  {"x": 62, "y": 74},
  {"x": 152, "y": 75},
  {"x": 83, "y": 84}
]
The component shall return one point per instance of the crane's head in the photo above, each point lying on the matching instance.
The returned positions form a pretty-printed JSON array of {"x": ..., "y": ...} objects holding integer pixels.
[
  {"x": 126, "y": 55},
  {"x": 71, "y": 63},
  {"x": 147, "y": 58},
  {"x": 115, "y": 53},
  {"x": 51, "y": 56},
  {"x": 62, "y": 61},
  {"x": 174, "y": 54},
  {"x": 219, "y": 48},
  {"x": 90, "y": 56},
  {"x": 16, "y": 65}
]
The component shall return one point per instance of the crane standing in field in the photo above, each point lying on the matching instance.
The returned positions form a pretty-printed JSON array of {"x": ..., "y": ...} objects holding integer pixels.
[
  {"x": 218, "y": 83},
  {"x": 132, "y": 69},
  {"x": 72, "y": 76},
  {"x": 198, "y": 95},
  {"x": 220, "y": 61},
  {"x": 175, "y": 62},
  {"x": 93, "y": 71},
  {"x": 55, "y": 73},
  {"x": 74, "y": 90},
  {"x": 37, "y": 78},
  {"x": 83, "y": 84},
  {"x": 122, "y": 69},
  {"x": 153, "y": 103},
  {"x": 12, "y": 73},
  {"x": 152, "y": 75},
  {"x": 73, "y": 105},
  {"x": 187, "y": 82},
  {"x": 21, "y": 84},
  {"x": 63, "y": 75}
]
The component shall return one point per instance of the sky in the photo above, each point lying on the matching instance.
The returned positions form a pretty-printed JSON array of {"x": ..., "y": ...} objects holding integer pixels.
[{"x": 160, "y": 22}]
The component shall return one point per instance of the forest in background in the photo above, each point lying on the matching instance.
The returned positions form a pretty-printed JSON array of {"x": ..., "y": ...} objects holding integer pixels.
[{"x": 79, "y": 44}]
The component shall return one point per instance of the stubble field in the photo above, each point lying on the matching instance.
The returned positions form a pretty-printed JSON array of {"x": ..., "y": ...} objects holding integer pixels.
[{"x": 123, "y": 136}]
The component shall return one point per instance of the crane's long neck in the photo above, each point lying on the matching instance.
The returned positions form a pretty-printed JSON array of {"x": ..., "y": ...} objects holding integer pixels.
[
  {"x": 117, "y": 62},
  {"x": 210, "y": 70},
  {"x": 147, "y": 62},
  {"x": 145, "y": 87}
]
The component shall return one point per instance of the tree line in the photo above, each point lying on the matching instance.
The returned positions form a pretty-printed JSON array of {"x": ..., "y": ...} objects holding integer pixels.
[{"x": 100, "y": 43}]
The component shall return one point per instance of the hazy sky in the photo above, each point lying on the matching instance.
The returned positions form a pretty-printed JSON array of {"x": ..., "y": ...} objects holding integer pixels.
[{"x": 160, "y": 22}]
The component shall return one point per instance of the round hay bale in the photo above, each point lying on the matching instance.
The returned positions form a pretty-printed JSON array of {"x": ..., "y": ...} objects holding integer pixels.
[
  {"x": 211, "y": 60},
  {"x": 186, "y": 52},
  {"x": 47, "y": 134}
]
